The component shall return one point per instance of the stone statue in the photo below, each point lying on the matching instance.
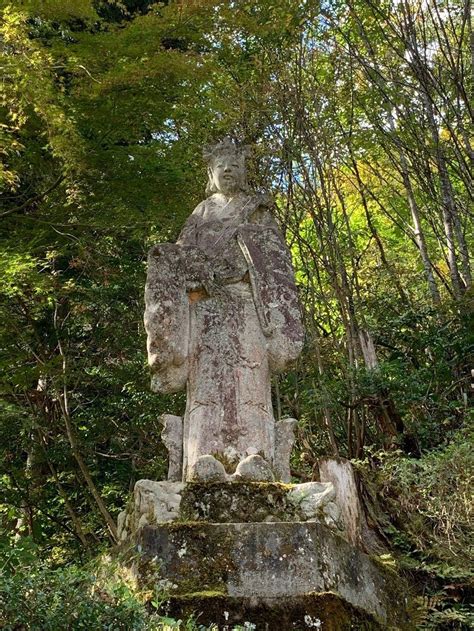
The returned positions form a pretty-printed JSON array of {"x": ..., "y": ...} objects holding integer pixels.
[{"x": 221, "y": 316}]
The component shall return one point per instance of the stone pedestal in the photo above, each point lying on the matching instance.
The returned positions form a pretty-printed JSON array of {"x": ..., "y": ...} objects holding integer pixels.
[
  {"x": 259, "y": 567},
  {"x": 273, "y": 555}
]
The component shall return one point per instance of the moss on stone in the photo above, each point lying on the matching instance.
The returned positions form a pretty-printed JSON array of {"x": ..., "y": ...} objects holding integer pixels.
[
  {"x": 237, "y": 502},
  {"x": 204, "y": 563},
  {"x": 197, "y": 561},
  {"x": 300, "y": 613},
  {"x": 208, "y": 593},
  {"x": 228, "y": 464}
]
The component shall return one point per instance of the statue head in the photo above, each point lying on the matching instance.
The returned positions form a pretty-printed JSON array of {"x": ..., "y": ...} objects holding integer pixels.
[{"x": 226, "y": 168}]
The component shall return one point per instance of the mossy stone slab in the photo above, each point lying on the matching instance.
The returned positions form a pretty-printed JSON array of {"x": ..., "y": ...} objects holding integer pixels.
[
  {"x": 270, "y": 561},
  {"x": 325, "y": 611},
  {"x": 237, "y": 502}
]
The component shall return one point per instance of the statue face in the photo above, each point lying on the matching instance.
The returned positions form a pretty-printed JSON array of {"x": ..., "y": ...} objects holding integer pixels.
[{"x": 227, "y": 173}]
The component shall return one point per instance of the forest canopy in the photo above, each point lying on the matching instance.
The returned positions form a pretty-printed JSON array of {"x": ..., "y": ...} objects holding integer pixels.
[{"x": 359, "y": 115}]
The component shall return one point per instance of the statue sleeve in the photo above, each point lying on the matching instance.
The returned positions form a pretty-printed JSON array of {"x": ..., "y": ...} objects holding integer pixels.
[
  {"x": 277, "y": 295},
  {"x": 173, "y": 270},
  {"x": 167, "y": 319},
  {"x": 188, "y": 235}
]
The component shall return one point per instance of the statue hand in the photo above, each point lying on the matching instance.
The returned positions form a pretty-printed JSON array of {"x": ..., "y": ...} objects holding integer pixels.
[
  {"x": 210, "y": 284},
  {"x": 213, "y": 287}
]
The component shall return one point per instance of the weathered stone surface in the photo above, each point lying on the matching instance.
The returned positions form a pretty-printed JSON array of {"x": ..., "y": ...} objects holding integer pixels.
[
  {"x": 207, "y": 469},
  {"x": 221, "y": 315},
  {"x": 207, "y": 501},
  {"x": 237, "y": 502},
  {"x": 256, "y": 546},
  {"x": 339, "y": 473},
  {"x": 284, "y": 439},
  {"x": 172, "y": 436},
  {"x": 213, "y": 500},
  {"x": 311, "y": 497},
  {"x": 166, "y": 320},
  {"x": 154, "y": 502},
  {"x": 270, "y": 561},
  {"x": 332, "y": 516},
  {"x": 318, "y": 611},
  {"x": 253, "y": 468}
]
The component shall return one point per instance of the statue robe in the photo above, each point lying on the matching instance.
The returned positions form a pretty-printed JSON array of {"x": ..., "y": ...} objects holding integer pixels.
[{"x": 221, "y": 315}]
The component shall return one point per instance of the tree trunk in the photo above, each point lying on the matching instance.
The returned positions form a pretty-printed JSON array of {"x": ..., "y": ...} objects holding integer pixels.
[
  {"x": 63, "y": 400},
  {"x": 417, "y": 229}
]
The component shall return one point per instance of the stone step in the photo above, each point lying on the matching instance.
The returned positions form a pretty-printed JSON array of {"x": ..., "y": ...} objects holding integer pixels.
[
  {"x": 324, "y": 611},
  {"x": 229, "y": 502},
  {"x": 261, "y": 563}
]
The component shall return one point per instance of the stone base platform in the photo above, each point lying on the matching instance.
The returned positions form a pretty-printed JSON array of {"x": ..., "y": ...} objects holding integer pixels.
[
  {"x": 293, "y": 572},
  {"x": 229, "y": 502},
  {"x": 324, "y": 611},
  {"x": 277, "y": 556}
]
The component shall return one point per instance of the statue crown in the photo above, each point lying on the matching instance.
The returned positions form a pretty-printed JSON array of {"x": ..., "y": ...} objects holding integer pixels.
[{"x": 224, "y": 147}]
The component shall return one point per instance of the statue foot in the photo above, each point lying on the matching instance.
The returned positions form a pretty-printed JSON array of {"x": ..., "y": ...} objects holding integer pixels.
[
  {"x": 207, "y": 469},
  {"x": 255, "y": 469}
]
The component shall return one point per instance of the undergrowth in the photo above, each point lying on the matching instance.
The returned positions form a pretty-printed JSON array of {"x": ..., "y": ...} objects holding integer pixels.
[
  {"x": 99, "y": 595},
  {"x": 424, "y": 507}
]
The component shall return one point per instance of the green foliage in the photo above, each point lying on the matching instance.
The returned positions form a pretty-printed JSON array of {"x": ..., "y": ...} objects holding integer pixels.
[
  {"x": 34, "y": 118},
  {"x": 35, "y": 596},
  {"x": 95, "y": 596},
  {"x": 427, "y": 511},
  {"x": 432, "y": 498}
]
